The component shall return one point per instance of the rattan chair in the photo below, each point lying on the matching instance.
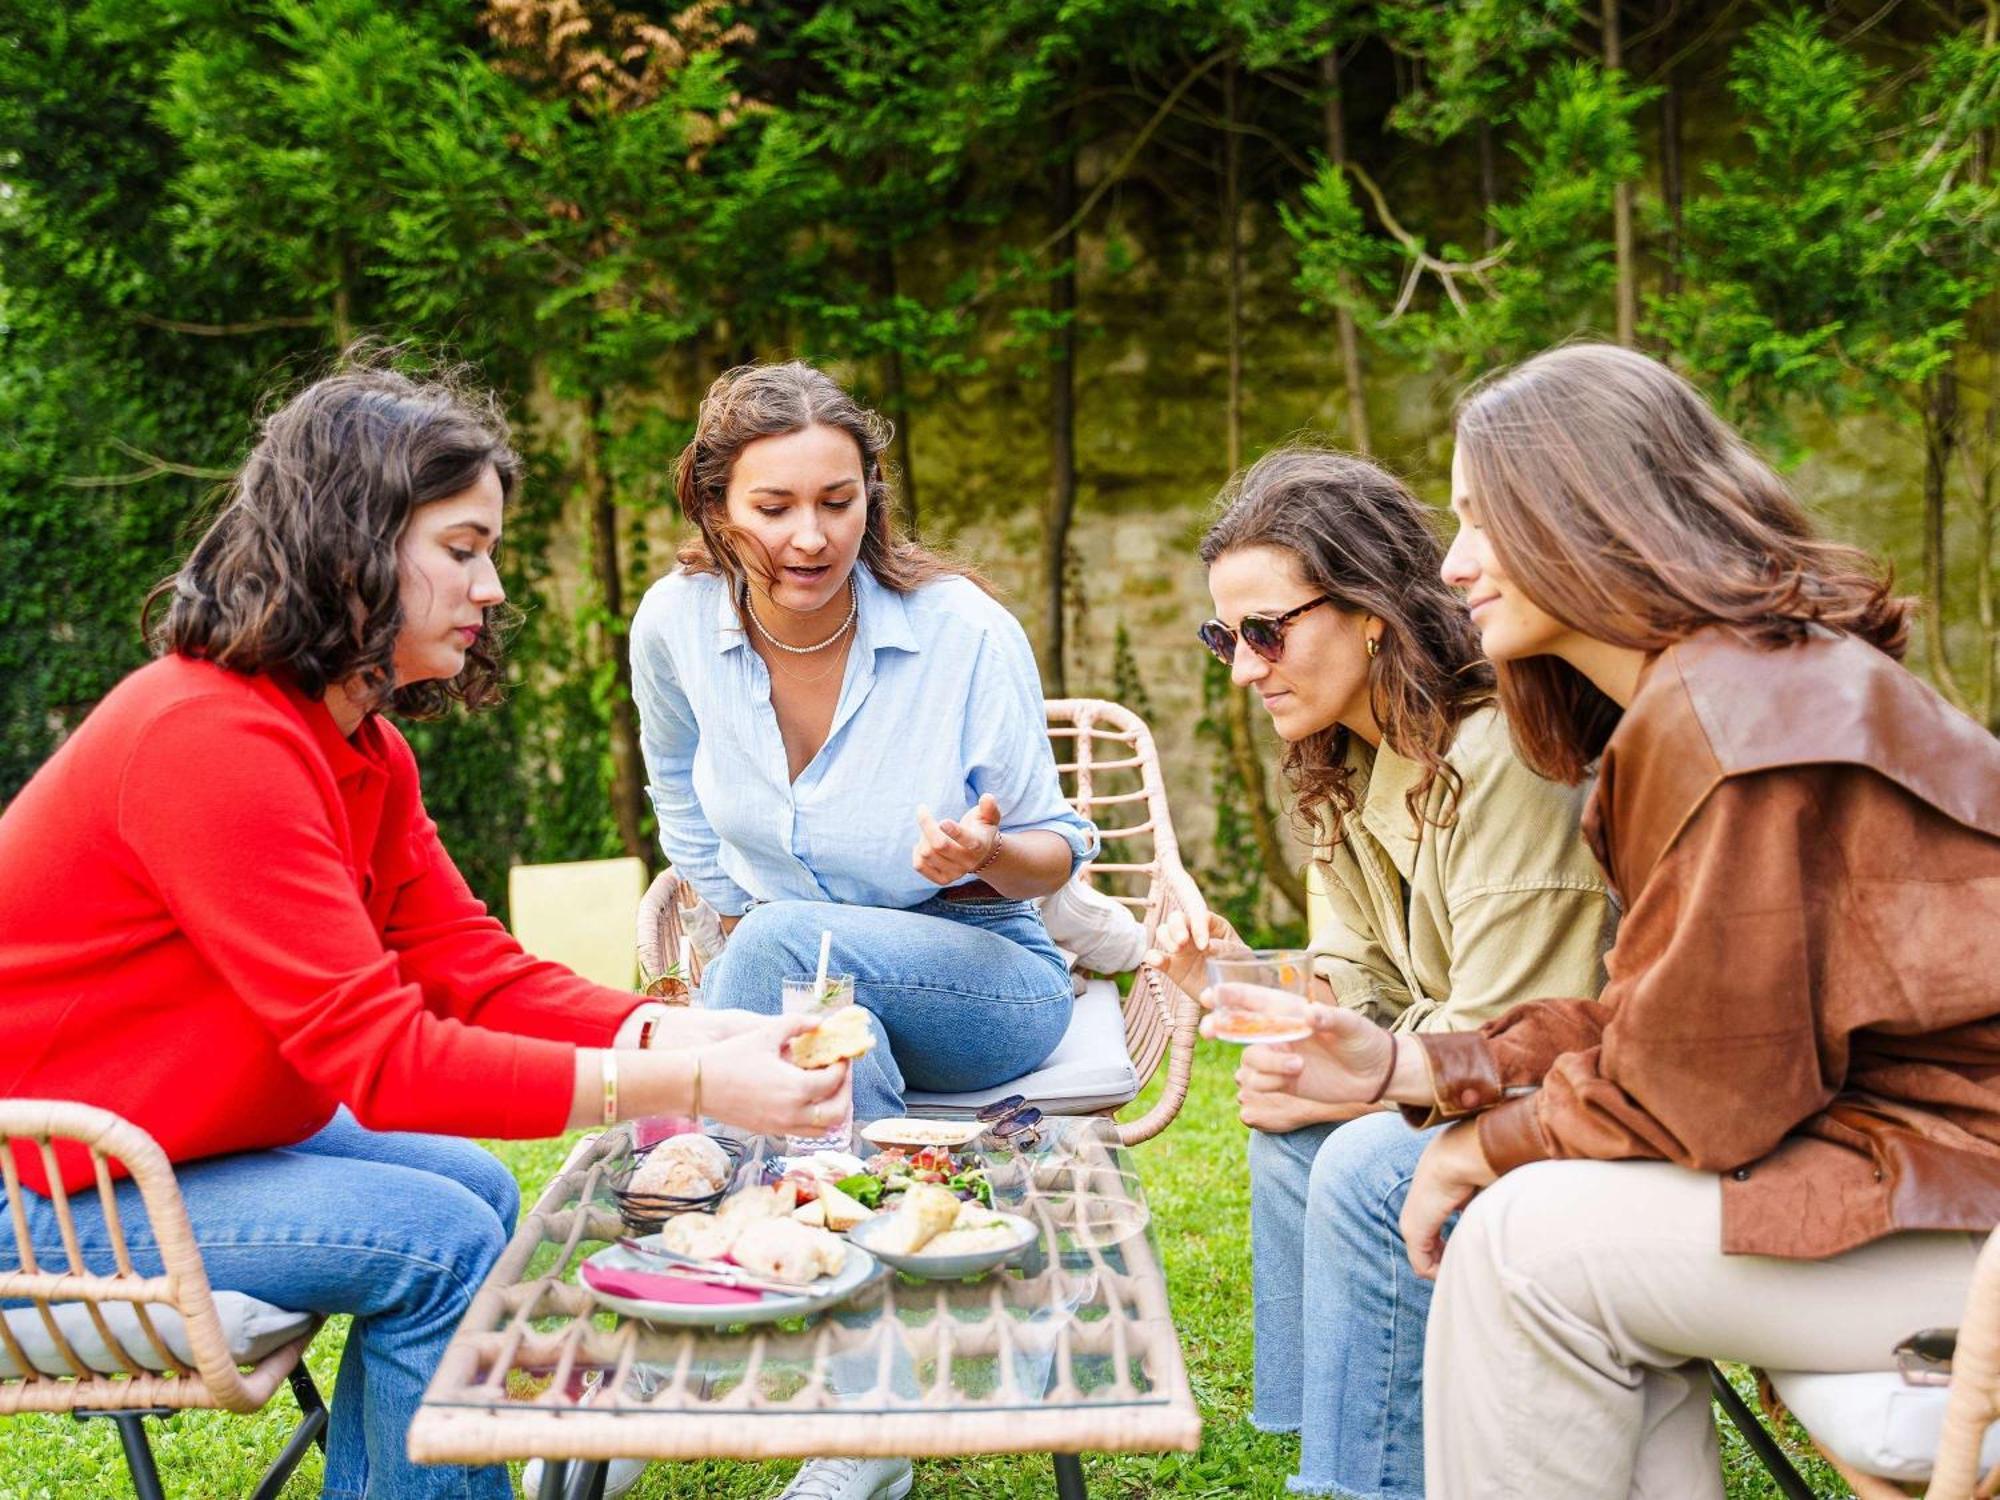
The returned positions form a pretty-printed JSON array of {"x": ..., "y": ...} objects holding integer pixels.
[
  {"x": 1886, "y": 1437},
  {"x": 1111, "y": 774},
  {"x": 161, "y": 1337}
]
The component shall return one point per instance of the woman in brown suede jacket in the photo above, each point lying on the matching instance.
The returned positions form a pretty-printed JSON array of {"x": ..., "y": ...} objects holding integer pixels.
[{"x": 1775, "y": 1137}]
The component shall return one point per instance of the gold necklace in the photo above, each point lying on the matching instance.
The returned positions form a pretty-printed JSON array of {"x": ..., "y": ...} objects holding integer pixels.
[{"x": 794, "y": 672}]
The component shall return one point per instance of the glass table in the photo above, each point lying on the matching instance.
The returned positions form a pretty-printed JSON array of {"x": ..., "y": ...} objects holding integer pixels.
[{"x": 1071, "y": 1349}]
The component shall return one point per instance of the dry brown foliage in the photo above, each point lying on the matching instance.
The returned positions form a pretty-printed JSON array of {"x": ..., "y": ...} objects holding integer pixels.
[{"x": 614, "y": 59}]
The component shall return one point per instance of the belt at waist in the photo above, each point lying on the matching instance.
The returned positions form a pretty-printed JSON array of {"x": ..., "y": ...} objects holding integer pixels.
[{"x": 973, "y": 890}]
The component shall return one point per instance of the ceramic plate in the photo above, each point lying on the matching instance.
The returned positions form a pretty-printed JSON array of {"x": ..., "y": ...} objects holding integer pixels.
[
  {"x": 946, "y": 1267},
  {"x": 606, "y": 1276},
  {"x": 916, "y": 1133}
]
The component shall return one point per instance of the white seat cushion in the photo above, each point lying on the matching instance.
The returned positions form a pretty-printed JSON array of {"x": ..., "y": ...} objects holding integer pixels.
[
  {"x": 1089, "y": 1071},
  {"x": 253, "y": 1329},
  {"x": 1875, "y": 1422}
]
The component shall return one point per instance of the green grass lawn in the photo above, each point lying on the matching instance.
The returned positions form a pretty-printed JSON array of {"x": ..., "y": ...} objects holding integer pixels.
[{"x": 1201, "y": 1208}]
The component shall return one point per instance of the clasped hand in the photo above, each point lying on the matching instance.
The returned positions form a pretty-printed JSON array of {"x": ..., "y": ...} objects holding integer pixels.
[{"x": 949, "y": 851}]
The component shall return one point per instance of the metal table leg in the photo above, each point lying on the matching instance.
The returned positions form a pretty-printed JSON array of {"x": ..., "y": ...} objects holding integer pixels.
[
  {"x": 555, "y": 1471},
  {"x": 1069, "y": 1476}
]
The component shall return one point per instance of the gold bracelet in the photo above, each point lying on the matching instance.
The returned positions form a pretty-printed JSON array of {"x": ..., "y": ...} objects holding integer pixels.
[
  {"x": 694, "y": 1103},
  {"x": 609, "y": 1067}
]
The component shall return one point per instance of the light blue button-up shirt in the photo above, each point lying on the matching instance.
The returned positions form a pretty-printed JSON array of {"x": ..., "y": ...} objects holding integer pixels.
[{"x": 940, "y": 703}]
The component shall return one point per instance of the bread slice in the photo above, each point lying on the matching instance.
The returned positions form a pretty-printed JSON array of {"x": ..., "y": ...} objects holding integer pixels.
[
  {"x": 842, "y": 1212},
  {"x": 845, "y": 1033}
]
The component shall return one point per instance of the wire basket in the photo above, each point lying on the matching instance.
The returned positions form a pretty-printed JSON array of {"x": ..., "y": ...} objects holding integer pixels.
[{"x": 644, "y": 1213}]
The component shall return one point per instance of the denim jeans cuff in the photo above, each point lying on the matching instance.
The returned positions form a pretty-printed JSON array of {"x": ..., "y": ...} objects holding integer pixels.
[
  {"x": 1276, "y": 1429},
  {"x": 1298, "y": 1485}
]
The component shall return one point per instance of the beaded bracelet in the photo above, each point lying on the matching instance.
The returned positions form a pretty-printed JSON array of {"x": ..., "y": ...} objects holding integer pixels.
[{"x": 992, "y": 854}]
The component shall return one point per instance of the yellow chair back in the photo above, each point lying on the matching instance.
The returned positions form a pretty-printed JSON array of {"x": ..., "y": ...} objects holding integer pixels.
[{"x": 581, "y": 915}]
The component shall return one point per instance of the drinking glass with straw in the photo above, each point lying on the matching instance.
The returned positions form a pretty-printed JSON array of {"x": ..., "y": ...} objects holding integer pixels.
[{"x": 821, "y": 993}]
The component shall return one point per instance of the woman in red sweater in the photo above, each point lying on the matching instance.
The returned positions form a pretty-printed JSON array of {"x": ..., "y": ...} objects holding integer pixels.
[{"x": 225, "y": 915}]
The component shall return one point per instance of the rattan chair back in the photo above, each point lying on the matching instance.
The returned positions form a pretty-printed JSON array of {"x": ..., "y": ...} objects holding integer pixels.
[
  {"x": 48, "y": 1279},
  {"x": 1111, "y": 774}
]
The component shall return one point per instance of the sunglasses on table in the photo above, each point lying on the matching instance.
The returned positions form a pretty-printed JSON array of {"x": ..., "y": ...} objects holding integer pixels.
[
  {"x": 1263, "y": 634},
  {"x": 1013, "y": 1122}
]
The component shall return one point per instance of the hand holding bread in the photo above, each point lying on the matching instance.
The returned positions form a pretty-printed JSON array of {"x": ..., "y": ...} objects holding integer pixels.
[{"x": 769, "y": 1093}]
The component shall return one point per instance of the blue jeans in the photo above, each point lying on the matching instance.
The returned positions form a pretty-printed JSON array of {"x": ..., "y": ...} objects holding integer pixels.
[
  {"x": 1339, "y": 1313},
  {"x": 398, "y": 1230},
  {"x": 967, "y": 994}
]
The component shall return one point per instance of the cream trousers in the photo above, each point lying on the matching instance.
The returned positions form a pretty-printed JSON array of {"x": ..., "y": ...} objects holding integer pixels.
[{"x": 1575, "y": 1293}]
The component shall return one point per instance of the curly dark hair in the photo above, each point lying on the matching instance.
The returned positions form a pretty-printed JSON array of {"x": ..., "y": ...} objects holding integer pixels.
[
  {"x": 759, "y": 401},
  {"x": 298, "y": 571},
  {"x": 1362, "y": 538}
]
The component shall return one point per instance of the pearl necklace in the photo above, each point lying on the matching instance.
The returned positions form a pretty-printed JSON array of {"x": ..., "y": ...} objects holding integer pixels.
[{"x": 853, "y": 609}]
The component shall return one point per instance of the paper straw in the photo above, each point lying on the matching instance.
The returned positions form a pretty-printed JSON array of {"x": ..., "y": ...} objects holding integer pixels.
[
  {"x": 687, "y": 956},
  {"x": 825, "y": 952}
]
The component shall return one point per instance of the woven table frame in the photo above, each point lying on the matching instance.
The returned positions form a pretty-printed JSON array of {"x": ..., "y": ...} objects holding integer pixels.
[{"x": 512, "y": 1383}]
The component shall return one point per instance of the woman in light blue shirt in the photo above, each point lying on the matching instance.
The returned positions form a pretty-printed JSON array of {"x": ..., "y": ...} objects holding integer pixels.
[{"x": 845, "y": 732}]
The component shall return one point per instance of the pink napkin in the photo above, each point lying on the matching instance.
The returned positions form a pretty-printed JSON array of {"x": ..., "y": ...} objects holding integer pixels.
[{"x": 646, "y": 1287}]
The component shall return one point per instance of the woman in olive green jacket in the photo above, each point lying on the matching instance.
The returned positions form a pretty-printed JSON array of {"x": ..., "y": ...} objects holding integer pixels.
[{"x": 1457, "y": 884}]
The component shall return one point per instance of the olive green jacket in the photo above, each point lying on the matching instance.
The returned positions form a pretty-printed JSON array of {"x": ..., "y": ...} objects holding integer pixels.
[{"x": 1505, "y": 903}]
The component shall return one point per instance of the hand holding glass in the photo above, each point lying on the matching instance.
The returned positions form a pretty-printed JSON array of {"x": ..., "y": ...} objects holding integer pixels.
[{"x": 1278, "y": 1014}]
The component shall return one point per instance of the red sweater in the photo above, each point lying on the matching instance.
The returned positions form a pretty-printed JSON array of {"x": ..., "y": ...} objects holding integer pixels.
[{"x": 221, "y": 918}]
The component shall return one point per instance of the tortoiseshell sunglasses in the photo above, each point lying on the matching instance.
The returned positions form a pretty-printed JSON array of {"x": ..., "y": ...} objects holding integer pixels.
[{"x": 1263, "y": 634}]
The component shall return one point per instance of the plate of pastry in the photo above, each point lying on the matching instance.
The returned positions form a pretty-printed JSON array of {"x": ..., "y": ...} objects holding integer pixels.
[
  {"x": 748, "y": 1262},
  {"x": 909, "y": 1131},
  {"x": 934, "y": 1234}
]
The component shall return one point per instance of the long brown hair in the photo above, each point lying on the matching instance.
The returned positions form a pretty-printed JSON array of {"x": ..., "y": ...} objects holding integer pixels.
[
  {"x": 1361, "y": 537},
  {"x": 760, "y": 401},
  {"x": 1627, "y": 509},
  {"x": 298, "y": 571}
]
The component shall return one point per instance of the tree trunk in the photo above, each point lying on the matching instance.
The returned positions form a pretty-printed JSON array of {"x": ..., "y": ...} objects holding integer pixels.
[
  {"x": 1062, "y": 414},
  {"x": 1670, "y": 156},
  {"x": 628, "y": 778},
  {"x": 1489, "y": 188},
  {"x": 1941, "y": 435},
  {"x": 897, "y": 394},
  {"x": 1621, "y": 201},
  {"x": 1352, "y": 373},
  {"x": 343, "y": 317},
  {"x": 1232, "y": 228},
  {"x": 1242, "y": 741},
  {"x": 1986, "y": 468},
  {"x": 1988, "y": 661}
]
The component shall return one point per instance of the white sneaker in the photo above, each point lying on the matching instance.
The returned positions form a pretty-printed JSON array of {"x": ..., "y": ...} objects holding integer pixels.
[
  {"x": 618, "y": 1479},
  {"x": 850, "y": 1479}
]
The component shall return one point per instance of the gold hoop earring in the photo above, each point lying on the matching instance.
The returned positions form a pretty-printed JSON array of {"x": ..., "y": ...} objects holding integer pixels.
[{"x": 1374, "y": 647}]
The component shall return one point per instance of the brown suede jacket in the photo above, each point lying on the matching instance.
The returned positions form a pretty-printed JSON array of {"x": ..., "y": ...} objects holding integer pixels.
[{"x": 1804, "y": 996}]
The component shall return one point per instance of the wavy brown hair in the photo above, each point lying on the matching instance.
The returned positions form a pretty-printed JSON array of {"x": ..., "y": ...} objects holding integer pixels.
[
  {"x": 760, "y": 401},
  {"x": 298, "y": 571},
  {"x": 1627, "y": 509},
  {"x": 1361, "y": 537}
]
